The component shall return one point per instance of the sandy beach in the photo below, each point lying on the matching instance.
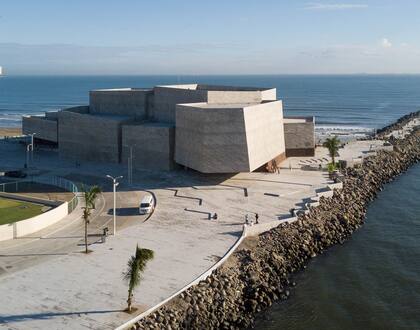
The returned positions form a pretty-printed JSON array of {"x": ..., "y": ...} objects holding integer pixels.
[{"x": 10, "y": 131}]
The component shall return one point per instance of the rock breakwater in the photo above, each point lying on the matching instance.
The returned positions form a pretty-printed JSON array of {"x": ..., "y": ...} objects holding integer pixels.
[{"x": 260, "y": 272}]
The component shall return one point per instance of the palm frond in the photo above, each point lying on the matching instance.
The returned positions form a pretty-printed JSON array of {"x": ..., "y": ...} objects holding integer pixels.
[{"x": 136, "y": 265}]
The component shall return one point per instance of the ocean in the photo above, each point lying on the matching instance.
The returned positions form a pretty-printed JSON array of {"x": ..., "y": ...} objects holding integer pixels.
[
  {"x": 372, "y": 281},
  {"x": 343, "y": 104}
]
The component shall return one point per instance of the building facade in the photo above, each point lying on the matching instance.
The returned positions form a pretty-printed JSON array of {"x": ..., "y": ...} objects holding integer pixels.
[{"x": 211, "y": 129}]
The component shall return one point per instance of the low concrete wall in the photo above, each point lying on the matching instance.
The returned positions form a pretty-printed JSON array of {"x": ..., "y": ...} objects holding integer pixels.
[
  {"x": 34, "y": 224},
  {"x": 29, "y": 226},
  {"x": 6, "y": 232},
  {"x": 44, "y": 220}
]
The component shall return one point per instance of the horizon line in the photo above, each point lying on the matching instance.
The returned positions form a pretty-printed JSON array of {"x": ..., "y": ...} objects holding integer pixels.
[{"x": 200, "y": 74}]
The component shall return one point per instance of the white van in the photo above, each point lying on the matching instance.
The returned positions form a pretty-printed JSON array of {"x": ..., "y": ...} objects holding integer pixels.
[{"x": 147, "y": 204}]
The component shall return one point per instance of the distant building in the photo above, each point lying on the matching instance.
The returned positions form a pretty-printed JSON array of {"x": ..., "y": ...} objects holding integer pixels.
[{"x": 211, "y": 129}]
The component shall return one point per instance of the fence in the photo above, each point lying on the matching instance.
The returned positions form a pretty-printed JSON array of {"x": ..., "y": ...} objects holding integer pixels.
[
  {"x": 17, "y": 186},
  {"x": 62, "y": 183}
]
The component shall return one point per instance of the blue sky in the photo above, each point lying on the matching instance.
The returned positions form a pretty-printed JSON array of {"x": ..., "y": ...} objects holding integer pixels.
[{"x": 209, "y": 37}]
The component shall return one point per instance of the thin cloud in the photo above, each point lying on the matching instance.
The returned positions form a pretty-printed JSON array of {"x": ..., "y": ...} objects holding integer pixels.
[
  {"x": 334, "y": 6},
  {"x": 385, "y": 43}
]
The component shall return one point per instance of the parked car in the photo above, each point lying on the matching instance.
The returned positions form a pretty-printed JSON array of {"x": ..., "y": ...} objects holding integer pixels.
[
  {"x": 146, "y": 205},
  {"x": 15, "y": 174}
]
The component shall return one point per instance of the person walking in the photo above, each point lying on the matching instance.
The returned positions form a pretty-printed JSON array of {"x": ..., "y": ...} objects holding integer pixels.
[
  {"x": 256, "y": 218},
  {"x": 246, "y": 219}
]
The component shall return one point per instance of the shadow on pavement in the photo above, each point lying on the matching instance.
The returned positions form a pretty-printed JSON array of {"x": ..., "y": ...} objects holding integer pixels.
[{"x": 46, "y": 316}]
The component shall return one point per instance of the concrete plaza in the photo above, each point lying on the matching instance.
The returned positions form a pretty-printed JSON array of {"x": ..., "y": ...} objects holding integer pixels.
[{"x": 47, "y": 281}]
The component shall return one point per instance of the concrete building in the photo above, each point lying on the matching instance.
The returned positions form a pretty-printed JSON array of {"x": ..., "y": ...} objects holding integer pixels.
[{"x": 211, "y": 129}]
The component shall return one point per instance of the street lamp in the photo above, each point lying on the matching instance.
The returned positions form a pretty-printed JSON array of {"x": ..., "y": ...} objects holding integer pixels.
[
  {"x": 115, "y": 184},
  {"x": 32, "y": 146}
]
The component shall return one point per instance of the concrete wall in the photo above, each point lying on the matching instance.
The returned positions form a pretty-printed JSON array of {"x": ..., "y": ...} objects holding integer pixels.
[
  {"x": 211, "y": 140},
  {"x": 299, "y": 136},
  {"x": 166, "y": 99},
  {"x": 44, "y": 128},
  {"x": 264, "y": 133},
  {"x": 234, "y": 97},
  {"x": 51, "y": 115},
  {"x": 152, "y": 143},
  {"x": 34, "y": 224},
  {"x": 228, "y": 139},
  {"x": 6, "y": 232},
  {"x": 90, "y": 137},
  {"x": 82, "y": 109},
  {"x": 129, "y": 102},
  {"x": 269, "y": 94},
  {"x": 29, "y": 226}
]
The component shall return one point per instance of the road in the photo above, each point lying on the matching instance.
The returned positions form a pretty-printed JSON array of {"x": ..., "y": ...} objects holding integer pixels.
[{"x": 67, "y": 236}]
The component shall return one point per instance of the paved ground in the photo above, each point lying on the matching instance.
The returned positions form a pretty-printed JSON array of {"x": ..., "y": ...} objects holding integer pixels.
[
  {"x": 46, "y": 282},
  {"x": 349, "y": 152}
]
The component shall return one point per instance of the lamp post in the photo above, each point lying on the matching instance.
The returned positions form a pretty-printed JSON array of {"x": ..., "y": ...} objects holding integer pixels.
[
  {"x": 32, "y": 146},
  {"x": 28, "y": 148},
  {"x": 115, "y": 184}
]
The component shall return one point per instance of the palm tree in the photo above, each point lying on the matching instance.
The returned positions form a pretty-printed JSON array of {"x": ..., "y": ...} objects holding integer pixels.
[
  {"x": 135, "y": 266},
  {"x": 332, "y": 144},
  {"x": 89, "y": 197}
]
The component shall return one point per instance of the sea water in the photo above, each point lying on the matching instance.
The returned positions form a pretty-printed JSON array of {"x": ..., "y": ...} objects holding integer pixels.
[
  {"x": 343, "y": 104},
  {"x": 372, "y": 281}
]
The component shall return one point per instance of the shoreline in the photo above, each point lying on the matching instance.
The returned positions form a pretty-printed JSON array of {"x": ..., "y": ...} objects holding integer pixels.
[
  {"x": 260, "y": 272},
  {"x": 10, "y": 131}
]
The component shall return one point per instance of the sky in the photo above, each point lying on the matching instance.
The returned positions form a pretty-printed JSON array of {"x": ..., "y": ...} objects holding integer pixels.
[{"x": 209, "y": 37}]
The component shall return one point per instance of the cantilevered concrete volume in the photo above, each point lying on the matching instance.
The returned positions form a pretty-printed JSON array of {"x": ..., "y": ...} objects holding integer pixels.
[{"x": 211, "y": 129}]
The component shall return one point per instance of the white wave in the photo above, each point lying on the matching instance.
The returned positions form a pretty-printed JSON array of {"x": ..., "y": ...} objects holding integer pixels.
[{"x": 343, "y": 128}]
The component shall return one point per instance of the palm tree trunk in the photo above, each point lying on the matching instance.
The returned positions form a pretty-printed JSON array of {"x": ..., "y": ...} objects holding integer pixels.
[
  {"x": 86, "y": 241},
  {"x": 129, "y": 302}
]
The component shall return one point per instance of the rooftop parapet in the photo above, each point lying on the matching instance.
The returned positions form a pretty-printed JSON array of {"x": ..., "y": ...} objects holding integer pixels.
[{"x": 298, "y": 119}]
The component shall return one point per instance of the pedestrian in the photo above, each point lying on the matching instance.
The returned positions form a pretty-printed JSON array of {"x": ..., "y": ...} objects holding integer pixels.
[
  {"x": 215, "y": 216},
  {"x": 290, "y": 166},
  {"x": 246, "y": 219},
  {"x": 256, "y": 218},
  {"x": 292, "y": 212}
]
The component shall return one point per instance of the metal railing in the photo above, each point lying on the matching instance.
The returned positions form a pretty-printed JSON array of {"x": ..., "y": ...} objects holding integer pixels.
[{"x": 18, "y": 186}]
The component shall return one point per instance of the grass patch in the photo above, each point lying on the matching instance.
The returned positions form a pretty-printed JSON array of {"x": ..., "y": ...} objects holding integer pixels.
[{"x": 12, "y": 210}]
